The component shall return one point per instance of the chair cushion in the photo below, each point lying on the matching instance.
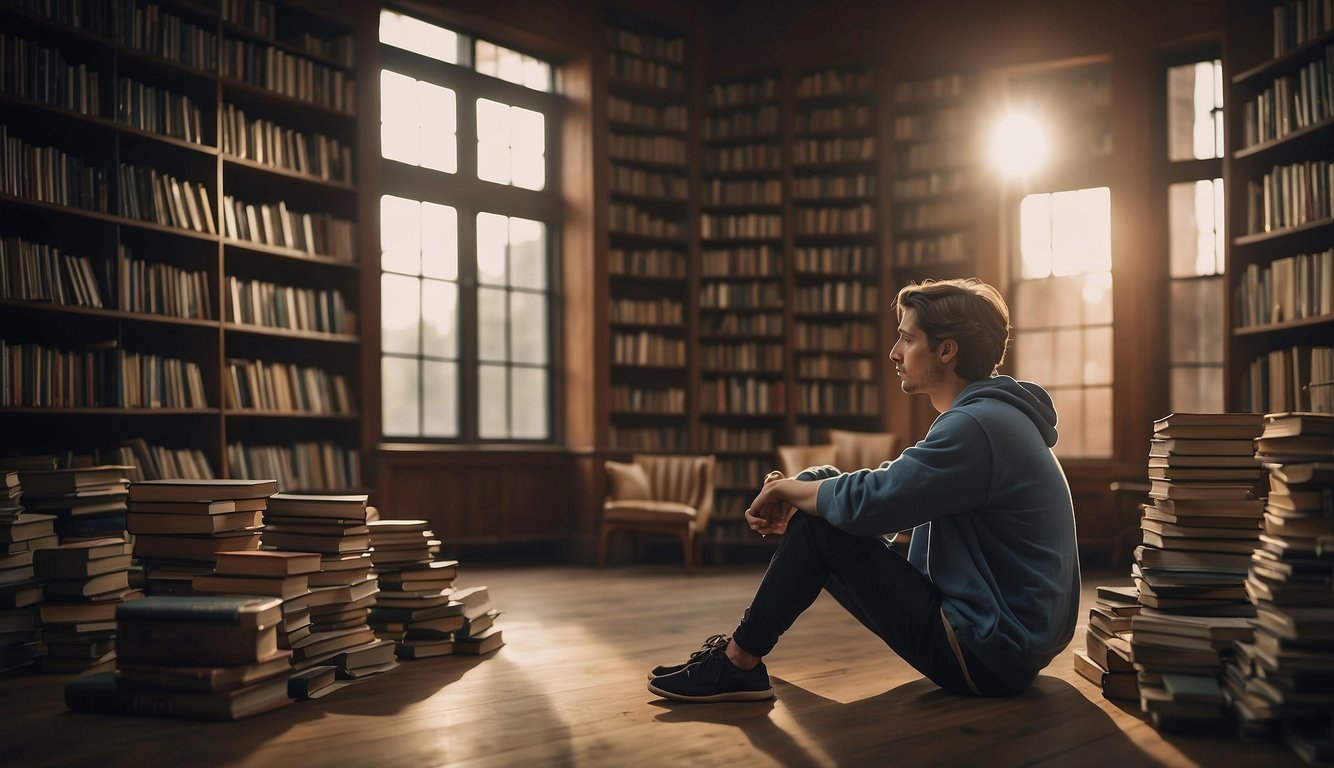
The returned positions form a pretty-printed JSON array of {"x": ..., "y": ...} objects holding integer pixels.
[
  {"x": 640, "y": 511},
  {"x": 628, "y": 481}
]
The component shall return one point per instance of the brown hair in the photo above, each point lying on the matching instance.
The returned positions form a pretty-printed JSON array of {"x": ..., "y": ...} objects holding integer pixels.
[{"x": 969, "y": 311}]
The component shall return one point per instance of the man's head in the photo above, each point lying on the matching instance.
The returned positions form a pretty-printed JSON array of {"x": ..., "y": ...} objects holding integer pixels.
[{"x": 967, "y": 313}]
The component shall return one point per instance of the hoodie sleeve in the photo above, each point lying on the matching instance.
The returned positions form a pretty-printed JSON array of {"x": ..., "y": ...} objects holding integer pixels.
[{"x": 946, "y": 473}]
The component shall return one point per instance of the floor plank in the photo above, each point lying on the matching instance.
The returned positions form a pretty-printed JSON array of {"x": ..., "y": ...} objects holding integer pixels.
[{"x": 569, "y": 689}]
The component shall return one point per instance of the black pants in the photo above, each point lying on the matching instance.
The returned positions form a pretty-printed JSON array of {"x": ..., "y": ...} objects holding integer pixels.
[{"x": 874, "y": 584}]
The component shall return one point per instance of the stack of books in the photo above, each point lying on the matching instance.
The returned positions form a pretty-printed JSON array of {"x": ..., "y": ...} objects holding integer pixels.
[
  {"x": 1283, "y": 681},
  {"x": 1105, "y": 659},
  {"x": 415, "y": 609},
  {"x": 333, "y": 527},
  {"x": 21, "y": 533},
  {"x": 84, "y": 584},
  {"x": 479, "y": 635},
  {"x": 181, "y": 525},
  {"x": 203, "y": 656},
  {"x": 88, "y": 502},
  {"x": 1198, "y": 536}
]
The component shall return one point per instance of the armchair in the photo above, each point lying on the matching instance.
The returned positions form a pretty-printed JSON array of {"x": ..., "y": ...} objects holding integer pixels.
[{"x": 662, "y": 494}]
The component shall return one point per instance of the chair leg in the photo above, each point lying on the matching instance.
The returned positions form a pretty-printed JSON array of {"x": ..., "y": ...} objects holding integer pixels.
[
  {"x": 688, "y": 544},
  {"x": 602, "y": 545}
]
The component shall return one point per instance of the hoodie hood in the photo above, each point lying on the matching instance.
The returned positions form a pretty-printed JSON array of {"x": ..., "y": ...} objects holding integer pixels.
[{"x": 1025, "y": 396}]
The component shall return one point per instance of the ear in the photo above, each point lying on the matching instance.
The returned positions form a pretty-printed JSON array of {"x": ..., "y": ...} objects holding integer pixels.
[{"x": 948, "y": 351}]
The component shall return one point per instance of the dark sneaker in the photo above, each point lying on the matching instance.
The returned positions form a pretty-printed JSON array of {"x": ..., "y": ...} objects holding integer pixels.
[
  {"x": 716, "y": 641},
  {"x": 714, "y": 678}
]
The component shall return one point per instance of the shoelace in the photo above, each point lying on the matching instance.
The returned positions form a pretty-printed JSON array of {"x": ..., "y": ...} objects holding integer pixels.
[
  {"x": 714, "y": 642},
  {"x": 709, "y": 662}
]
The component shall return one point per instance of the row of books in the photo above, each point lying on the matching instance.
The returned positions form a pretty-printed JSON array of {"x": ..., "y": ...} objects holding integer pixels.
[
  {"x": 33, "y": 71},
  {"x": 645, "y": 183},
  {"x": 718, "y": 191},
  {"x": 285, "y": 388},
  {"x": 835, "y": 337},
  {"x": 742, "y": 356},
  {"x": 835, "y": 82},
  {"x": 306, "y": 152},
  {"x": 750, "y": 123},
  {"x": 657, "y": 439},
  {"x": 836, "y": 259},
  {"x": 941, "y": 88},
  {"x": 39, "y": 272},
  {"x": 273, "y": 224},
  {"x": 838, "y": 296},
  {"x": 33, "y": 375},
  {"x": 742, "y": 158},
  {"x": 668, "y": 49},
  {"x": 815, "y": 398},
  {"x": 824, "y": 187},
  {"x": 261, "y": 18},
  {"x": 839, "y": 150},
  {"x": 740, "y": 225},
  {"x": 724, "y": 438},
  {"x": 1286, "y": 289},
  {"x": 1297, "y": 22},
  {"x": 290, "y": 75},
  {"x": 933, "y": 157},
  {"x": 740, "y": 92},
  {"x": 723, "y": 324},
  {"x": 647, "y": 262},
  {"x": 51, "y": 175},
  {"x": 740, "y": 295},
  {"x": 855, "y": 220},
  {"x": 742, "y": 394},
  {"x": 633, "y": 69},
  {"x": 836, "y": 367},
  {"x": 924, "y": 126},
  {"x": 161, "y": 289},
  {"x": 1290, "y": 103},
  {"x": 665, "y": 117},
  {"x": 741, "y": 473},
  {"x": 940, "y": 213},
  {"x": 845, "y": 117},
  {"x": 151, "y": 29},
  {"x": 649, "y": 149},
  {"x": 756, "y": 261},
  {"x": 256, "y": 302},
  {"x": 630, "y": 219},
  {"x": 1290, "y": 196},
  {"x": 667, "y": 400},
  {"x": 149, "y": 195},
  {"x": 1292, "y": 379},
  {"x": 949, "y": 248},
  {"x": 305, "y": 465},
  {"x": 647, "y": 348},
  {"x": 931, "y": 184},
  {"x": 648, "y": 311},
  {"x": 158, "y": 110}
]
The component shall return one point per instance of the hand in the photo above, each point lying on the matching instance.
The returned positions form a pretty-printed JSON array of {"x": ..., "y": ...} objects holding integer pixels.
[{"x": 769, "y": 513}]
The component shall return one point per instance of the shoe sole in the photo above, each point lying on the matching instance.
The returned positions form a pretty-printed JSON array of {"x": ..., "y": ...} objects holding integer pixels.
[{"x": 767, "y": 693}]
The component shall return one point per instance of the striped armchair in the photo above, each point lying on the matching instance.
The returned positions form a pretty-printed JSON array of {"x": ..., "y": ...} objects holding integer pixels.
[{"x": 660, "y": 494}]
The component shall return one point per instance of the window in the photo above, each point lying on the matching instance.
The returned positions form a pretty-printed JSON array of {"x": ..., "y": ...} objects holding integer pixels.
[
  {"x": 1195, "y": 235},
  {"x": 466, "y": 221},
  {"x": 1063, "y": 312}
]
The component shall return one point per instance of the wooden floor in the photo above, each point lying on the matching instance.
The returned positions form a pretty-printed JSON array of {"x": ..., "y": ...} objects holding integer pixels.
[{"x": 569, "y": 689}]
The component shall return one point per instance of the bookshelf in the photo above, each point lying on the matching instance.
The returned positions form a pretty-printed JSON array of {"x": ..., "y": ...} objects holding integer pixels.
[
  {"x": 742, "y": 370},
  {"x": 648, "y": 230},
  {"x": 179, "y": 261},
  {"x": 1280, "y": 221},
  {"x": 835, "y": 298}
]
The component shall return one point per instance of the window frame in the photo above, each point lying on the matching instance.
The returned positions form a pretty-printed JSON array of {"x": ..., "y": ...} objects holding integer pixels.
[{"x": 469, "y": 196}]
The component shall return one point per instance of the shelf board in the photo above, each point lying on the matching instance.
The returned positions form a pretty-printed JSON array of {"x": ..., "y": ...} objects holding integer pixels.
[
  {"x": 650, "y": 200},
  {"x": 677, "y": 279},
  {"x": 1305, "y": 322},
  {"x": 93, "y": 411},
  {"x": 116, "y": 314},
  {"x": 742, "y": 207},
  {"x": 235, "y": 30},
  {"x": 771, "y": 139},
  {"x": 260, "y": 330},
  {"x": 766, "y": 415},
  {"x": 807, "y": 237},
  {"x": 288, "y": 253},
  {"x": 1278, "y": 234},
  {"x": 258, "y": 414},
  {"x": 305, "y": 178},
  {"x": 680, "y": 242},
  {"x": 108, "y": 218},
  {"x": 251, "y": 91},
  {"x": 624, "y": 126},
  {"x": 106, "y": 123},
  {"x": 741, "y": 310},
  {"x": 743, "y": 173},
  {"x": 825, "y": 202},
  {"x": 1268, "y": 146},
  {"x": 1282, "y": 63},
  {"x": 654, "y": 94},
  {"x": 661, "y": 165},
  {"x": 714, "y": 374},
  {"x": 839, "y": 352},
  {"x": 712, "y": 241}
]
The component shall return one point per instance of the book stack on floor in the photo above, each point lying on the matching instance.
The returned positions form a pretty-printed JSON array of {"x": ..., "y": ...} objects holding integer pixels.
[
  {"x": 334, "y": 527},
  {"x": 181, "y": 525},
  {"x": 1282, "y": 683},
  {"x": 479, "y": 635},
  {"x": 415, "y": 608},
  {"x": 1105, "y": 659},
  {"x": 201, "y": 656},
  {"x": 21, "y": 533},
  {"x": 84, "y": 583},
  {"x": 1198, "y": 535},
  {"x": 88, "y": 502}
]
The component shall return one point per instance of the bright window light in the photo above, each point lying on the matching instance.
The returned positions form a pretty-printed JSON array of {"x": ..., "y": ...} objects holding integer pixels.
[
  {"x": 419, "y": 37},
  {"x": 1019, "y": 145}
]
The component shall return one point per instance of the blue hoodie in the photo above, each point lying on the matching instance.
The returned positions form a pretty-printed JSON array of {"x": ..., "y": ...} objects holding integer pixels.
[{"x": 993, "y": 523}]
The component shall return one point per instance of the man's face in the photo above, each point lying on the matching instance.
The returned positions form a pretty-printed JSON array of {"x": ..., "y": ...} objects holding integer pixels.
[{"x": 919, "y": 368}]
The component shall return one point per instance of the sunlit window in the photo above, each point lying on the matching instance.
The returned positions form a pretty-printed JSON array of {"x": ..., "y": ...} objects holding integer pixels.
[
  {"x": 466, "y": 339},
  {"x": 1063, "y": 312},
  {"x": 1196, "y": 290}
]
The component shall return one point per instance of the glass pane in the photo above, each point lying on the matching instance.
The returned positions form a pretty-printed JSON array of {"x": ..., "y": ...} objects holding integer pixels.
[
  {"x": 1220, "y": 225},
  {"x": 440, "y": 241},
  {"x": 1098, "y": 419},
  {"x": 492, "y": 237},
  {"x": 528, "y": 327},
  {"x": 511, "y": 65},
  {"x": 1197, "y": 327},
  {"x": 419, "y": 37},
  {"x": 439, "y": 124},
  {"x": 1033, "y": 356},
  {"x": 530, "y": 171},
  {"x": 491, "y": 322},
  {"x": 1066, "y": 297},
  {"x": 485, "y": 58},
  {"x": 1070, "y": 422},
  {"x": 400, "y": 314},
  {"x": 536, "y": 74},
  {"x": 530, "y": 403},
  {"x": 1098, "y": 355},
  {"x": 1204, "y": 112},
  {"x": 1183, "y": 230},
  {"x": 1032, "y": 305},
  {"x": 1097, "y": 293},
  {"x": 1035, "y": 236},
  {"x": 399, "y": 122},
  {"x": 440, "y": 312},
  {"x": 493, "y": 402},
  {"x": 1181, "y": 112},
  {"x": 1067, "y": 358},
  {"x": 529, "y": 148},
  {"x": 1197, "y": 390},
  {"x": 399, "y": 401},
  {"x": 528, "y": 254},
  {"x": 440, "y": 381},
  {"x": 400, "y": 235},
  {"x": 493, "y": 141},
  {"x": 1081, "y": 231}
]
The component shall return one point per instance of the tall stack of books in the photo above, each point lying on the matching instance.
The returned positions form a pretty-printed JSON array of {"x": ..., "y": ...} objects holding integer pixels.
[
  {"x": 1105, "y": 659},
  {"x": 88, "y": 502},
  {"x": 415, "y": 608},
  {"x": 479, "y": 635},
  {"x": 84, "y": 583},
  {"x": 1198, "y": 535},
  {"x": 21, "y": 533},
  {"x": 181, "y": 525},
  {"x": 334, "y": 527},
  {"x": 202, "y": 656},
  {"x": 1283, "y": 681}
]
